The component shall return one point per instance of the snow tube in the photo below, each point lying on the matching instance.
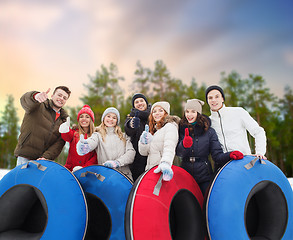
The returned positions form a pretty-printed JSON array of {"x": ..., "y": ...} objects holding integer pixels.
[
  {"x": 157, "y": 209},
  {"x": 41, "y": 200},
  {"x": 250, "y": 199},
  {"x": 106, "y": 191}
]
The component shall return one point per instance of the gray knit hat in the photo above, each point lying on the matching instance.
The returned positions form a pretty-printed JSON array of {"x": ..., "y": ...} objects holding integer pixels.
[
  {"x": 163, "y": 104},
  {"x": 111, "y": 110},
  {"x": 194, "y": 104}
]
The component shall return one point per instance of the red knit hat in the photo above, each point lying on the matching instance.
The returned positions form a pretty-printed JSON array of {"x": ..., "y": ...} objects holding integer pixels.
[{"x": 86, "y": 109}]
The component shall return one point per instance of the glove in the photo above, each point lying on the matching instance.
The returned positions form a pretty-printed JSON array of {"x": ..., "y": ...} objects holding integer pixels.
[
  {"x": 64, "y": 127},
  {"x": 236, "y": 155},
  {"x": 187, "y": 140},
  {"x": 76, "y": 168},
  {"x": 82, "y": 146},
  {"x": 112, "y": 164},
  {"x": 135, "y": 121},
  {"x": 166, "y": 169},
  {"x": 146, "y": 137}
]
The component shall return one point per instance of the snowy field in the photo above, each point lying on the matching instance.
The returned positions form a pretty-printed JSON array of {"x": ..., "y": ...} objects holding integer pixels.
[{"x": 3, "y": 172}]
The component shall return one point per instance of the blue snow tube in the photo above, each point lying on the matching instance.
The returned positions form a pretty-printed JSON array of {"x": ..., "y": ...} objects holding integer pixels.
[
  {"x": 106, "y": 191},
  {"x": 250, "y": 199},
  {"x": 42, "y": 200}
]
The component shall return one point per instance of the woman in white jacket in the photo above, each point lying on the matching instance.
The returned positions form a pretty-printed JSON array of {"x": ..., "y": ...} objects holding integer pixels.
[
  {"x": 159, "y": 140},
  {"x": 113, "y": 147}
]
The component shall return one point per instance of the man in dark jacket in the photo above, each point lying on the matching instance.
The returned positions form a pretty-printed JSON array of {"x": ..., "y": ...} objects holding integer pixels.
[{"x": 39, "y": 133}]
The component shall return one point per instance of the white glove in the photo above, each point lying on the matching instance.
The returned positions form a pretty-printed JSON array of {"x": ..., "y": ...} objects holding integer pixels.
[
  {"x": 76, "y": 168},
  {"x": 64, "y": 127},
  {"x": 82, "y": 146},
  {"x": 42, "y": 96},
  {"x": 166, "y": 169},
  {"x": 146, "y": 137},
  {"x": 112, "y": 164}
]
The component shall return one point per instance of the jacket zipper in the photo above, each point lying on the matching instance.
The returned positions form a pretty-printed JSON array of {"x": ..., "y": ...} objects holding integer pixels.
[{"x": 222, "y": 131}]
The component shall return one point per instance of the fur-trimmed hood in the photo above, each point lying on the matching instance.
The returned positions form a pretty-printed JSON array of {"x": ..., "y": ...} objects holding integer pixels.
[{"x": 172, "y": 119}]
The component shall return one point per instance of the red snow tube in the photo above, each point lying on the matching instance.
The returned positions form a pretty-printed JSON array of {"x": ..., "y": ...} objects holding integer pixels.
[{"x": 157, "y": 209}]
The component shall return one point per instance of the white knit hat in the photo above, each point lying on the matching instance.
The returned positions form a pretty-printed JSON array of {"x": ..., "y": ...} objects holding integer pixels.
[
  {"x": 194, "y": 104},
  {"x": 111, "y": 110},
  {"x": 163, "y": 104}
]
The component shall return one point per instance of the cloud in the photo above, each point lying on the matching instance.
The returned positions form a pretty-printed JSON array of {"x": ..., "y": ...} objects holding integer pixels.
[{"x": 28, "y": 16}]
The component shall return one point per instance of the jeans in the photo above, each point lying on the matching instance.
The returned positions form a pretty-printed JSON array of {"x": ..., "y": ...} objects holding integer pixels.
[{"x": 21, "y": 160}]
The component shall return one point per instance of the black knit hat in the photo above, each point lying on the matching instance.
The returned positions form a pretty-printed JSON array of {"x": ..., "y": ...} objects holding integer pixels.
[
  {"x": 139, "y": 95},
  {"x": 214, "y": 87}
]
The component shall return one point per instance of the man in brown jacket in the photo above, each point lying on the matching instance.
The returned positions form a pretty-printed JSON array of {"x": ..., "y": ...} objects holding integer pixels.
[{"x": 39, "y": 133}]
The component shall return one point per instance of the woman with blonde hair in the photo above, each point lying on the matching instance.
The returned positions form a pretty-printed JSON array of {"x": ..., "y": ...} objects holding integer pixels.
[
  {"x": 159, "y": 140},
  {"x": 85, "y": 127},
  {"x": 113, "y": 147}
]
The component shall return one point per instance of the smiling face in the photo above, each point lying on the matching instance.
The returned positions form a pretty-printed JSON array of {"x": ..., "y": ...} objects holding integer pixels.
[
  {"x": 215, "y": 100},
  {"x": 110, "y": 120},
  {"x": 140, "y": 104},
  {"x": 84, "y": 120},
  {"x": 190, "y": 115},
  {"x": 158, "y": 113},
  {"x": 59, "y": 98}
]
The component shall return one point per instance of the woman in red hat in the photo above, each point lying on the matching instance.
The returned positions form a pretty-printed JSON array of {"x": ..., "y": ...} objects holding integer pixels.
[{"x": 85, "y": 118}]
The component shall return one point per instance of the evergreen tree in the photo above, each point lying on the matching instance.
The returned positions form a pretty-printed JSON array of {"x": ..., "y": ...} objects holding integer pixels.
[{"x": 8, "y": 134}]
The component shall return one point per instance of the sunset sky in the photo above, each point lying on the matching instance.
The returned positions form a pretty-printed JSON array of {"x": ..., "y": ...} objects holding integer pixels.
[{"x": 48, "y": 43}]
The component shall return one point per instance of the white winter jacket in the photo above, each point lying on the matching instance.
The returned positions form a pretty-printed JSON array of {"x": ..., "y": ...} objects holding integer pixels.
[
  {"x": 163, "y": 145},
  {"x": 232, "y": 124},
  {"x": 113, "y": 148}
]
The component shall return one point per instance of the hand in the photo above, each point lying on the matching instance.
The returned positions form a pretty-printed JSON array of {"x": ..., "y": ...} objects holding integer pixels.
[
  {"x": 166, "y": 169},
  {"x": 76, "y": 168},
  {"x": 112, "y": 164},
  {"x": 82, "y": 146},
  {"x": 146, "y": 137},
  {"x": 187, "y": 140},
  {"x": 236, "y": 155},
  {"x": 260, "y": 156},
  {"x": 42, "y": 96},
  {"x": 64, "y": 127},
  {"x": 135, "y": 121}
]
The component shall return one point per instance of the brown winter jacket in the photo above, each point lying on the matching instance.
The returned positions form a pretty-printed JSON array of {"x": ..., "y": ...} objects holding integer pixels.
[{"x": 39, "y": 132}]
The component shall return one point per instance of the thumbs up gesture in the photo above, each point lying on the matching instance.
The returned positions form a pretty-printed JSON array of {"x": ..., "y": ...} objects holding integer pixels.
[
  {"x": 146, "y": 137},
  {"x": 82, "y": 146},
  {"x": 135, "y": 121},
  {"x": 187, "y": 140},
  {"x": 64, "y": 127},
  {"x": 42, "y": 96}
]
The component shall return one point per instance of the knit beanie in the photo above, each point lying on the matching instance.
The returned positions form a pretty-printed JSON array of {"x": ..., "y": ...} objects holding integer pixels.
[
  {"x": 86, "y": 109},
  {"x": 194, "y": 104},
  {"x": 214, "y": 87},
  {"x": 111, "y": 110},
  {"x": 163, "y": 104},
  {"x": 139, "y": 95}
]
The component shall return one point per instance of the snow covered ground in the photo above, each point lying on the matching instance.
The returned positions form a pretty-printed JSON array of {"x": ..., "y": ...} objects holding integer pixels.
[
  {"x": 3, "y": 172},
  {"x": 291, "y": 182}
]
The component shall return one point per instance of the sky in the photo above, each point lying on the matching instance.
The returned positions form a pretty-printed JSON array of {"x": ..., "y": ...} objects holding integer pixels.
[{"x": 44, "y": 44}]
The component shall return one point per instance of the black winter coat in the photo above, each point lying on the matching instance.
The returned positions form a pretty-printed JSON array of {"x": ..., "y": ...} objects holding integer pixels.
[
  {"x": 204, "y": 144},
  {"x": 139, "y": 163}
]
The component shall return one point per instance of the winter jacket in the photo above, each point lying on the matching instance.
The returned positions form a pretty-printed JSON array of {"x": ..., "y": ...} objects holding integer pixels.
[
  {"x": 195, "y": 159},
  {"x": 232, "y": 124},
  {"x": 113, "y": 148},
  {"x": 163, "y": 144},
  {"x": 139, "y": 163},
  {"x": 39, "y": 132},
  {"x": 73, "y": 158}
]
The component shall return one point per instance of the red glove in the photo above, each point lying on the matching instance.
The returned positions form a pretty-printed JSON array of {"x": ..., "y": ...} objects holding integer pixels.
[
  {"x": 236, "y": 155},
  {"x": 187, "y": 140}
]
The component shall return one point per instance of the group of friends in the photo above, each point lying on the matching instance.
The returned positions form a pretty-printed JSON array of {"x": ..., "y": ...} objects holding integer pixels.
[{"x": 152, "y": 135}]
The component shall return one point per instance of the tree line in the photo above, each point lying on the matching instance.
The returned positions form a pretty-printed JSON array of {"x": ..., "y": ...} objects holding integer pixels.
[{"x": 274, "y": 114}]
